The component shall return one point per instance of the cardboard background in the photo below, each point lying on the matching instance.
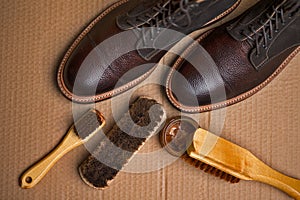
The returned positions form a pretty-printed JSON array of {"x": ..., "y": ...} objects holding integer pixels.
[{"x": 34, "y": 116}]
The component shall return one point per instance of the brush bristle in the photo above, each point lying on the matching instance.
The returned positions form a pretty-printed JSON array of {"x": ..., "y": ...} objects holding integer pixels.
[
  {"x": 88, "y": 124},
  {"x": 209, "y": 169},
  {"x": 114, "y": 151}
]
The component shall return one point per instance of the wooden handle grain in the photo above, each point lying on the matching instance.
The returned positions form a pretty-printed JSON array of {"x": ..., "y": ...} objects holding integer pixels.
[
  {"x": 266, "y": 174},
  {"x": 239, "y": 162},
  {"x": 36, "y": 172}
]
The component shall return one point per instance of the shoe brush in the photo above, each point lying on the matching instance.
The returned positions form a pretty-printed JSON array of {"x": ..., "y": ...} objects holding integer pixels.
[
  {"x": 80, "y": 132},
  {"x": 217, "y": 156},
  {"x": 144, "y": 118}
]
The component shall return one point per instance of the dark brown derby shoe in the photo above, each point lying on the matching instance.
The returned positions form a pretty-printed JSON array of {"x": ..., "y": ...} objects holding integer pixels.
[
  {"x": 85, "y": 76},
  {"x": 248, "y": 53}
]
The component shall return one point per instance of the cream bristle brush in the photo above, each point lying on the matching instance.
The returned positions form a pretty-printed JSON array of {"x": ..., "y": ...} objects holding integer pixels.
[{"x": 79, "y": 133}]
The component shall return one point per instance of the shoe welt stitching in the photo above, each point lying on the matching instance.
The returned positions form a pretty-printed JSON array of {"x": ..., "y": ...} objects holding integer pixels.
[
  {"x": 131, "y": 84},
  {"x": 229, "y": 101}
]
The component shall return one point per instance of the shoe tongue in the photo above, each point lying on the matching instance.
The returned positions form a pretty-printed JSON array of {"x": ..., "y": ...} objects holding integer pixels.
[
  {"x": 142, "y": 8},
  {"x": 153, "y": 11},
  {"x": 257, "y": 14},
  {"x": 145, "y": 7},
  {"x": 291, "y": 6}
]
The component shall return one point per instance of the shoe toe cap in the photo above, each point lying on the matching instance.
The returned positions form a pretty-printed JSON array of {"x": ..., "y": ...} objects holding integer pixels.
[
  {"x": 96, "y": 76},
  {"x": 196, "y": 86}
]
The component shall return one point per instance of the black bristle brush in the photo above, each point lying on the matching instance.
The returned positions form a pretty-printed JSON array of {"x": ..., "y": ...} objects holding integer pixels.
[
  {"x": 222, "y": 158},
  {"x": 177, "y": 136}
]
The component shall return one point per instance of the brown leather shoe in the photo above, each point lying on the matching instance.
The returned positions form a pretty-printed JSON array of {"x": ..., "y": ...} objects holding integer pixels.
[
  {"x": 86, "y": 75},
  {"x": 248, "y": 53}
]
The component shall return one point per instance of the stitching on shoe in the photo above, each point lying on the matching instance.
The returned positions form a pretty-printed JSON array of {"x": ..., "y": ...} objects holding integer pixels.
[
  {"x": 228, "y": 102},
  {"x": 119, "y": 90},
  {"x": 61, "y": 84}
]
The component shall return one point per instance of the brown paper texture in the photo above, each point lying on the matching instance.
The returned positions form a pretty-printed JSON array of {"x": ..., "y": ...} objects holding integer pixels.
[{"x": 34, "y": 116}]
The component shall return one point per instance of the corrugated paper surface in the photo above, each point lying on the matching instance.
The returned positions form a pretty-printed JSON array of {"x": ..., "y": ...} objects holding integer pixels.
[{"x": 34, "y": 116}]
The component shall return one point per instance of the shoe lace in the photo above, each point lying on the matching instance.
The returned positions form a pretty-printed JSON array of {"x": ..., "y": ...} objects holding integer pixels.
[
  {"x": 167, "y": 14},
  {"x": 265, "y": 33}
]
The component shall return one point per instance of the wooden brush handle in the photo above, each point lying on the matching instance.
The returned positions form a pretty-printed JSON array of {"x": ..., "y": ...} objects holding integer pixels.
[
  {"x": 36, "y": 172},
  {"x": 266, "y": 174},
  {"x": 238, "y": 162}
]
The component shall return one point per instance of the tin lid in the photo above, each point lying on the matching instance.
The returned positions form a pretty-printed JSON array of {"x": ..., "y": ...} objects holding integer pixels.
[{"x": 177, "y": 135}]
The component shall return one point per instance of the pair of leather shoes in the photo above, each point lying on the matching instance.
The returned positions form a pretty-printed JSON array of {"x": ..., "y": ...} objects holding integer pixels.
[
  {"x": 222, "y": 67},
  {"x": 130, "y": 35}
]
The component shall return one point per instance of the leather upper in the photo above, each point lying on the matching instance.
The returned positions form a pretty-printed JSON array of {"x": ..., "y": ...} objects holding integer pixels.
[
  {"x": 87, "y": 71},
  {"x": 88, "y": 80},
  {"x": 235, "y": 57},
  {"x": 251, "y": 23}
]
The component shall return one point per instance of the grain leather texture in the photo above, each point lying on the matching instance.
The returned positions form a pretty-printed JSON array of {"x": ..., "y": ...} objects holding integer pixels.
[{"x": 232, "y": 56}]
